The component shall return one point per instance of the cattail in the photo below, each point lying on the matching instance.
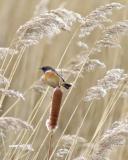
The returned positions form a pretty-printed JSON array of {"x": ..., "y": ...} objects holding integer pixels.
[{"x": 51, "y": 123}]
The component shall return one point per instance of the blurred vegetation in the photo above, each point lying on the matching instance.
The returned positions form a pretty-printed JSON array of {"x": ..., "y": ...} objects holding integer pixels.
[{"x": 14, "y": 13}]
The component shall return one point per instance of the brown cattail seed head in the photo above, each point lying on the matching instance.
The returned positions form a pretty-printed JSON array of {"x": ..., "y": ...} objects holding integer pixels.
[{"x": 51, "y": 123}]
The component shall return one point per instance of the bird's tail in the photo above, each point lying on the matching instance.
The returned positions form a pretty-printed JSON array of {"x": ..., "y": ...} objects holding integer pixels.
[{"x": 66, "y": 85}]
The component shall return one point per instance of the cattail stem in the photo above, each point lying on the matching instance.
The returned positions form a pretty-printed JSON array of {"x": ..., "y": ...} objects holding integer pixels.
[
  {"x": 51, "y": 123},
  {"x": 50, "y": 145}
]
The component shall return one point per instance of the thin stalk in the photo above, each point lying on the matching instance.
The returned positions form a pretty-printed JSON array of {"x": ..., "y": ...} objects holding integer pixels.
[
  {"x": 50, "y": 145},
  {"x": 42, "y": 144},
  {"x": 77, "y": 133},
  {"x": 67, "y": 47},
  {"x": 3, "y": 143}
]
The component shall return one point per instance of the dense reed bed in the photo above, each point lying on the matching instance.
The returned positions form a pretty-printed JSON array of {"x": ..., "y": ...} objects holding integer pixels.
[{"x": 86, "y": 42}]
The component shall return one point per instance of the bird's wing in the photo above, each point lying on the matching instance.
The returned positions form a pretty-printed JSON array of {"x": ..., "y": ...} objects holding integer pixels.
[{"x": 59, "y": 75}]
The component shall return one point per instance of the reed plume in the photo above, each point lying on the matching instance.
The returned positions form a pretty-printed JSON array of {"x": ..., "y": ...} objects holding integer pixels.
[
  {"x": 111, "y": 35},
  {"x": 3, "y": 80},
  {"x": 110, "y": 81},
  {"x": 12, "y": 93},
  {"x": 112, "y": 138},
  {"x": 48, "y": 25},
  {"x": 15, "y": 124},
  {"x": 7, "y": 51},
  {"x": 24, "y": 147},
  {"x": 66, "y": 142},
  {"x": 97, "y": 18}
]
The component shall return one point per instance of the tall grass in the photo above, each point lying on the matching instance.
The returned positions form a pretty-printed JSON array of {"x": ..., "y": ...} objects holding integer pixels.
[{"x": 86, "y": 42}]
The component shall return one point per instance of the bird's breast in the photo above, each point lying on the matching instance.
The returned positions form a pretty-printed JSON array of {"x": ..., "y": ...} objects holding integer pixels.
[{"x": 51, "y": 78}]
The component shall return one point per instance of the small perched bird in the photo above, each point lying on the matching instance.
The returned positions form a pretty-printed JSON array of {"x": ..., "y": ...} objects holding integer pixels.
[{"x": 52, "y": 78}]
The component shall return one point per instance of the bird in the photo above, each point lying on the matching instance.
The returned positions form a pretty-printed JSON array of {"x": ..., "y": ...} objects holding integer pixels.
[{"x": 52, "y": 78}]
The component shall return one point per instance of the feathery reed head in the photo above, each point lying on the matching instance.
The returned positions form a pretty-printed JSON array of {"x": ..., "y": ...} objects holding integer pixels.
[
  {"x": 7, "y": 51},
  {"x": 80, "y": 158},
  {"x": 12, "y": 93},
  {"x": 110, "y": 81},
  {"x": 3, "y": 80},
  {"x": 40, "y": 88},
  {"x": 12, "y": 123},
  {"x": 112, "y": 138},
  {"x": 24, "y": 147},
  {"x": 66, "y": 143},
  {"x": 93, "y": 64},
  {"x": 97, "y": 18},
  {"x": 47, "y": 24},
  {"x": 110, "y": 38}
]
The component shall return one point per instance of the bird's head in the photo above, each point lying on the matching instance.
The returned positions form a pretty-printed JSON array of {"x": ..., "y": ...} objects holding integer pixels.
[{"x": 46, "y": 68}]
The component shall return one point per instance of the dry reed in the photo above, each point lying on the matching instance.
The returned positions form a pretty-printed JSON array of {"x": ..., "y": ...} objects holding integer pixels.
[{"x": 46, "y": 24}]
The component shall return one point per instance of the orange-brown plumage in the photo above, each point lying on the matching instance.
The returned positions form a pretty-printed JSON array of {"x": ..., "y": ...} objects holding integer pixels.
[{"x": 51, "y": 79}]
